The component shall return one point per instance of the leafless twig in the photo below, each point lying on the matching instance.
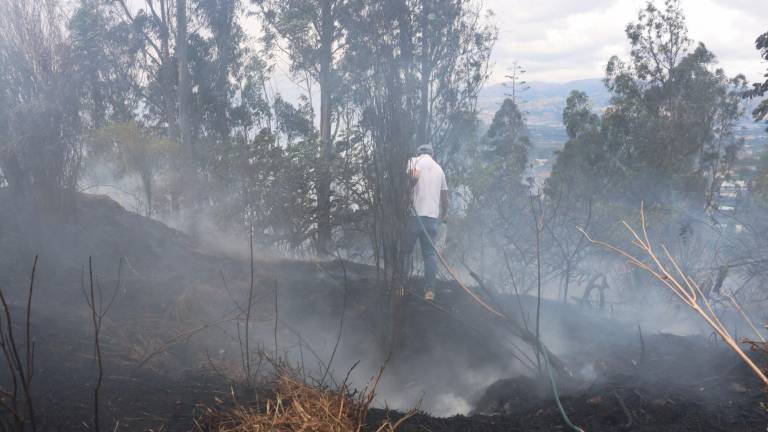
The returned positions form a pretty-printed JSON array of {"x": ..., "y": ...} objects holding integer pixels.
[
  {"x": 249, "y": 309},
  {"x": 21, "y": 372},
  {"x": 277, "y": 319},
  {"x": 746, "y": 317},
  {"x": 341, "y": 320},
  {"x": 99, "y": 310},
  {"x": 179, "y": 338},
  {"x": 674, "y": 279}
]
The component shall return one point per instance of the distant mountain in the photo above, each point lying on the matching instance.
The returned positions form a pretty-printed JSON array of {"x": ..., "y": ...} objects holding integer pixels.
[{"x": 544, "y": 102}]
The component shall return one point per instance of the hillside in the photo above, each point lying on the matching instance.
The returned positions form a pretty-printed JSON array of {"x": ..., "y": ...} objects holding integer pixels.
[{"x": 170, "y": 341}]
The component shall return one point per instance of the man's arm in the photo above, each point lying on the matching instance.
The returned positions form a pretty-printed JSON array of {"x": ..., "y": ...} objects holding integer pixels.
[
  {"x": 443, "y": 198},
  {"x": 444, "y": 202},
  {"x": 413, "y": 173}
]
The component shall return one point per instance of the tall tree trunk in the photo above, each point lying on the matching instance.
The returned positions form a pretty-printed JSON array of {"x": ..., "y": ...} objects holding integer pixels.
[
  {"x": 168, "y": 79},
  {"x": 397, "y": 144},
  {"x": 146, "y": 180},
  {"x": 423, "y": 132},
  {"x": 99, "y": 107},
  {"x": 326, "y": 151},
  {"x": 222, "y": 30},
  {"x": 168, "y": 74},
  {"x": 182, "y": 54},
  {"x": 189, "y": 159}
]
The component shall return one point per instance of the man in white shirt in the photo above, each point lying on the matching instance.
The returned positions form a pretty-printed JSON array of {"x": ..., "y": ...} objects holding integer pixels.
[{"x": 430, "y": 204}]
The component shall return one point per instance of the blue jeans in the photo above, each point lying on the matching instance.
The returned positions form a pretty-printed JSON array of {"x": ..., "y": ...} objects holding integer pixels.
[{"x": 416, "y": 231}]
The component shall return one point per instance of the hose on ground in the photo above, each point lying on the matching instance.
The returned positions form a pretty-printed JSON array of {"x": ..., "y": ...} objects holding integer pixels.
[{"x": 490, "y": 309}]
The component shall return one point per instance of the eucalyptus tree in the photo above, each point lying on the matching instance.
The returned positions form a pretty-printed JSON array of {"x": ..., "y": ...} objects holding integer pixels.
[
  {"x": 452, "y": 44},
  {"x": 166, "y": 87},
  {"x": 104, "y": 52},
  {"x": 668, "y": 138},
  {"x": 444, "y": 50},
  {"x": 154, "y": 22},
  {"x": 500, "y": 195},
  {"x": 761, "y": 88},
  {"x": 184, "y": 88},
  {"x": 673, "y": 114},
  {"x": 225, "y": 63},
  {"x": 313, "y": 35},
  {"x": 130, "y": 148},
  {"x": 39, "y": 110},
  {"x": 194, "y": 62},
  {"x": 570, "y": 191},
  {"x": 507, "y": 140},
  {"x": 381, "y": 54},
  {"x": 576, "y": 171}
]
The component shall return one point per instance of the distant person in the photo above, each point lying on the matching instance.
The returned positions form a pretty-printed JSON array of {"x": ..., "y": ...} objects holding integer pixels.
[{"x": 430, "y": 205}]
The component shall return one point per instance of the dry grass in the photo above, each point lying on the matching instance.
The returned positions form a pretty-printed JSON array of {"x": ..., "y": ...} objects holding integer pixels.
[{"x": 298, "y": 406}]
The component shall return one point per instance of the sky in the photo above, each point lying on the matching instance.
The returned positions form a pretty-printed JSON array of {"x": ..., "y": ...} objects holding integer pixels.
[{"x": 565, "y": 40}]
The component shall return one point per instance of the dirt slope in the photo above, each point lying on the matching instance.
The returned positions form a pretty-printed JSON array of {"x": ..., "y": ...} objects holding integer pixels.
[{"x": 171, "y": 339}]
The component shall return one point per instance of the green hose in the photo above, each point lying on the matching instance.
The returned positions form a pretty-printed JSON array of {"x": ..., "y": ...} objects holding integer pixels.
[
  {"x": 542, "y": 348},
  {"x": 555, "y": 392}
]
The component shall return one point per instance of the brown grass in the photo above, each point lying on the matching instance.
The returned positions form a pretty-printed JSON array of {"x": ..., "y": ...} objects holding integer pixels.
[{"x": 298, "y": 406}]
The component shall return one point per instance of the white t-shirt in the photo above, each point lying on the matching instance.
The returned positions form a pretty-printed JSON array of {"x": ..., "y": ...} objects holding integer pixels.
[{"x": 430, "y": 181}]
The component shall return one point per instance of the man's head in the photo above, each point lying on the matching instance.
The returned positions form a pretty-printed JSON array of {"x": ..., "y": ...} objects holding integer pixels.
[{"x": 425, "y": 149}]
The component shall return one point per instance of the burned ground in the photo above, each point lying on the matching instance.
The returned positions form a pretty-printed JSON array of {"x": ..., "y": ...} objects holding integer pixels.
[{"x": 170, "y": 341}]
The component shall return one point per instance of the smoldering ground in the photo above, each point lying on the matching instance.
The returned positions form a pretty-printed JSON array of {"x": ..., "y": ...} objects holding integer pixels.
[{"x": 176, "y": 327}]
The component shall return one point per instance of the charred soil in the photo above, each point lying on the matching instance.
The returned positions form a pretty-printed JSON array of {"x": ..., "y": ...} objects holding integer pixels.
[{"x": 170, "y": 342}]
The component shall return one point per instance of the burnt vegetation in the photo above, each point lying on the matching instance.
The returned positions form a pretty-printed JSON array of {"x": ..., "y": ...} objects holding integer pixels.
[{"x": 187, "y": 242}]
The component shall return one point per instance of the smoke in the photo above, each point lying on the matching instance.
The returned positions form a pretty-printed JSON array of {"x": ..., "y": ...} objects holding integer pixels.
[{"x": 445, "y": 362}]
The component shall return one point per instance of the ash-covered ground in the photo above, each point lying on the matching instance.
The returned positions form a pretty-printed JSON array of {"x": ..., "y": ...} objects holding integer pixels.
[{"x": 173, "y": 339}]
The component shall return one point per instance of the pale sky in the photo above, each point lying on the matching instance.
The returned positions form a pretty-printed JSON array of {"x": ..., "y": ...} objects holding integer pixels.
[{"x": 564, "y": 40}]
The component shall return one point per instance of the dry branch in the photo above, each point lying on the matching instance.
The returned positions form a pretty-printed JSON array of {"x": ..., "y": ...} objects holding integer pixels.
[
  {"x": 20, "y": 372},
  {"x": 178, "y": 338},
  {"x": 745, "y": 316},
  {"x": 98, "y": 310},
  {"x": 667, "y": 271}
]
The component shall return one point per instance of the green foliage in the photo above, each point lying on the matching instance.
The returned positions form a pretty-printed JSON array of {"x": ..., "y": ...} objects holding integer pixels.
[
  {"x": 133, "y": 150},
  {"x": 495, "y": 176},
  {"x": 132, "y": 147},
  {"x": 270, "y": 179},
  {"x": 580, "y": 166},
  {"x": 659, "y": 38},
  {"x": 39, "y": 116},
  {"x": 104, "y": 55},
  {"x": 218, "y": 55},
  {"x": 578, "y": 116},
  {"x": 506, "y": 141},
  {"x": 496, "y": 170},
  {"x": 452, "y": 47},
  {"x": 414, "y": 67},
  {"x": 759, "y": 181},
  {"x": 298, "y": 25},
  {"x": 495, "y": 200},
  {"x": 760, "y": 89},
  {"x": 669, "y": 131}
]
